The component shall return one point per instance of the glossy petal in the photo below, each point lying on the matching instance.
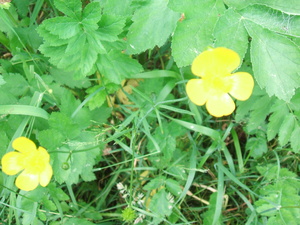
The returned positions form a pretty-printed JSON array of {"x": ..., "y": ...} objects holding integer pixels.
[
  {"x": 242, "y": 85},
  {"x": 26, "y": 181},
  {"x": 46, "y": 175},
  {"x": 196, "y": 91},
  {"x": 12, "y": 163},
  {"x": 220, "y": 105},
  {"x": 217, "y": 62},
  {"x": 44, "y": 154},
  {"x": 23, "y": 145}
]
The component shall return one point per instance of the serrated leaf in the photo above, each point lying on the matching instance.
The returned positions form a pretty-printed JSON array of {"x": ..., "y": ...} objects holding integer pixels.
[
  {"x": 64, "y": 124},
  {"x": 195, "y": 32},
  {"x": 231, "y": 33},
  {"x": 295, "y": 139},
  {"x": 153, "y": 29},
  {"x": 79, "y": 155},
  {"x": 257, "y": 146},
  {"x": 91, "y": 15},
  {"x": 275, "y": 122},
  {"x": 118, "y": 7},
  {"x": 63, "y": 27},
  {"x": 160, "y": 204},
  {"x": 275, "y": 61},
  {"x": 173, "y": 186},
  {"x": 287, "y": 6},
  {"x": 155, "y": 183},
  {"x": 116, "y": 66},
  {"x": 272, "y": 19},
  {"x": 286, "y": 129},
  {"x": 71, "y": 8},
  {"x": 110, "y": 26}
]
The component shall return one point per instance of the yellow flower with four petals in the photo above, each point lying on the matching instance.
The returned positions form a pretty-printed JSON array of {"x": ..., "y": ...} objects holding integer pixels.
[
  {"x": 218, "y": 84},
  {"x": 33, "y": 162}
]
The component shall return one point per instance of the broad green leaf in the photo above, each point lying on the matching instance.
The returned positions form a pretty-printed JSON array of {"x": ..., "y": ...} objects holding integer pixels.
[
  {"x": 71, "y": 8},
  {"x": 295, "y": 140},
  {"x": 116, "y": 66},
  {"x": 257, "y": 146},
  {"x": 155, "y": 183},
  {"x": 209, "y": 214},
  {"x": 231, "y": 33},
  {"x": 66, "y": 78},
  {"x": 78, "y": 221},
  {"x": 173, "y": 186},
  {"x": 160, "y": 204},
  {"x": 152, "y": 25},
  {"x": 63, "y": 27},
  {"x": 195, "y": 32},
  {"x": 64, "y": 124},
  {"x": 275, "y": 61},
  {"x": 276, "y": 119},
  {"x": 272, "y": 19},
  {"x": 110, "y": 26},
  {"x": 286, "y": 6},
  {"x": 259, "y": 111},
  {"x": 91, "y": 15},
  {"x": 117, "y": 7},
  {"x": 286, "y": 129}
]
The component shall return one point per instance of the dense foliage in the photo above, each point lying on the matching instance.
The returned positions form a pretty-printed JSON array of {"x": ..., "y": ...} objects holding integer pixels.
[{"x": 100, "y": 85}]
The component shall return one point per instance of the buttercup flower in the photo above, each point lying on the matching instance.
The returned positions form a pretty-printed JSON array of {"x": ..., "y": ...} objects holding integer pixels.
[
  {"x": 33, "y": 162},
  {"x": 217, "y": 85}
]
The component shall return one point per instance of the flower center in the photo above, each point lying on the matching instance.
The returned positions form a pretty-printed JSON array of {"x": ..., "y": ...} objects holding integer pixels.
[
  {"x": 34, "y": 163},
  {"x": 218, "y": 84}
]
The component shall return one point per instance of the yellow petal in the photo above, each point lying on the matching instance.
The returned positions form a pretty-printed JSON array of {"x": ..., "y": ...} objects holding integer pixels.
[
  {"x": 43, "y": 154},
  {"x": 12, "y": 163},
  {"x": 46, "y": 175},
  {"x": 242, "y": 85},
  {"x": 220, "y": 105},
  {"x": 196, "y": 91},
  {"x": 26, "y": 181},
  {"x": 23, "y": 145},
  {"x": 218, "y": 62}
]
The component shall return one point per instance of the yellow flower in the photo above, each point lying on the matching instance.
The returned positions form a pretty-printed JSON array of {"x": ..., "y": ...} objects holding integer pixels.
[
  {"x": 33, "y": 162},
  {"x": 215, "y": 66}
]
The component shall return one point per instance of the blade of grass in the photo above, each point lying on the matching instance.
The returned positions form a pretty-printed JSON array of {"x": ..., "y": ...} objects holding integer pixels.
[
  {"x": 192, "y": 170},
  {"x": 220, "y": 194},
  {"x": 24, "y": 110},
  {"x": 238, "y": 151}
]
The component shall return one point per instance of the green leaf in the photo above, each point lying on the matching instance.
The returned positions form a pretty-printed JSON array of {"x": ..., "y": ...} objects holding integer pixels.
[
  {"x": 64, "y": 124},
  {"x": 286, "y": 6},
  {"x": 280, "y": 110},
  {"x": 195, "y": 32},
  {"x": 160, "y": 204},
  {"x": 173, "y": 186},
  {"x": 71, "y": 8},
  {"x": 257, "y": 146},
  {"x": 63, "y": 27},
  {"x": 74, "y": 221},
  {"x": 110, "y": 26},
  {"x": 153, "y": 29},
  {"x": 155, "y": 183},
  {"x": 116, "y": 66},
  {"x": 91, "y": 15},
  {"x": 231, "y": 33},
  {"x": 286, "y": 129},
  {"x": 275, "y": 62},
  {"x": 272, "y": 19},
  {"x": 209, "y": 214},
  {"x": 117, "y": 7},
  {"x": 295, "y": 140}
]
